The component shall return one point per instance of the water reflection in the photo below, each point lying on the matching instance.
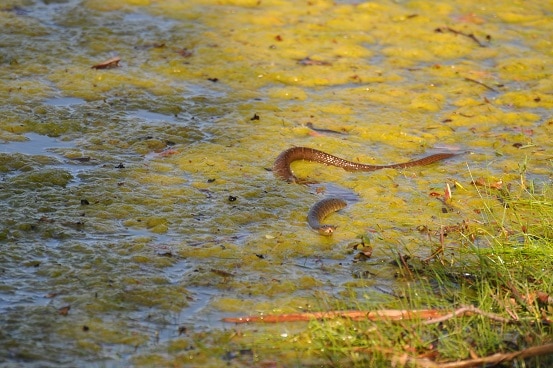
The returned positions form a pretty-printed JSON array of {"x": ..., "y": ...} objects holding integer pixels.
[
  {"x": 64, "y": 101},
  {"x": 35, "y": 144},
  {"x": 42, "y": 145}
]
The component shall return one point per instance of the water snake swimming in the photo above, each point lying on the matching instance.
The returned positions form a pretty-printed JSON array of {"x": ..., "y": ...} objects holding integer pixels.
[
  {"x": 282, "y": 170},
  {"x": 322, "y": 209}
]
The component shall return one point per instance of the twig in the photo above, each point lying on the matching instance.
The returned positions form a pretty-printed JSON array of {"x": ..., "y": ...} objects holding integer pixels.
[
  {"x": 386, "y": 314},
  {"x": 431, "y": 316},
  {"x": 321, "y": 130},
  {"x": 481, "y": 84},
  {"x": 492, "y": 359},
  {"x": 468, "y": 363},
  {"x": 468, "y": 35},
  {"x": 468, "y": 311}
]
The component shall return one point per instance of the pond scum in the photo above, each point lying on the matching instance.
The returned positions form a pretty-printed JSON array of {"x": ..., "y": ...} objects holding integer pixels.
[{"x": 141, "y": 223}]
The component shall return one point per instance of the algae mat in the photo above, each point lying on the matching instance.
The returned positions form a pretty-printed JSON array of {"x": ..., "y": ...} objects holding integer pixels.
[{"x": 137, "y": 210}]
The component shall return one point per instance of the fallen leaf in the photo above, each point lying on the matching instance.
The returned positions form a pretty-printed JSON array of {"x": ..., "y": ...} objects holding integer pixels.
[
  {"x": 108, "y": 64},
  {"x": 497, "y": 184},
  {"x": 221, "y": 273},
  {"x": 447, "y": 193},
  {"x": 544, "y": 298},
  {"x": 479, "y": 182},
  {"x": 64, "y": 311},
  {"x": 367, "y": 251},
  {"x": 168, "y": 152},
  {"x": 184, "y": 53}
]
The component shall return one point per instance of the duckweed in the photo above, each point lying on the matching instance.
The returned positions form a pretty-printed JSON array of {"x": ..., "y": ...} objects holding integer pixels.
[{"x": 151, "y": 208}]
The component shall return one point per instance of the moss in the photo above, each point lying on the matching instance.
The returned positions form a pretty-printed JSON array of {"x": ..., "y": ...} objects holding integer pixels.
[{"x": 47, "y": 177}]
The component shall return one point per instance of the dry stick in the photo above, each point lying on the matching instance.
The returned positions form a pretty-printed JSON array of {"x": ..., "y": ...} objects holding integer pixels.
[
  {"x": 481, "y": 84},
  {"x": 477, "y": 362},
  {"x": 387, "y": 314},
  {"x": 468, "y": 311},
  {"x": 432, "y": 316},
  {"x": 437, "y": 316},
  {"x": 108, "y": 64},
  {"x": 491, "y": 359},
  {"x": 469, "y": 35}
]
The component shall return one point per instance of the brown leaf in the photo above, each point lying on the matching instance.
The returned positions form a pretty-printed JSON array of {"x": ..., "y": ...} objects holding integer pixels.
[
  {"x": 221, "y": 273},
  {"x": 447, "y": 193},
  {"x": 479, "y": 182},
  {"x": 544, "y": 298},
  {"x": 64, "y": 311},
  {"x": 108, "y": 64},
  {"x": 497, "y": 184},
  {"x": 184, "y": 52},
  {"x": 168, "y": 152},
  {"x": 367, "y": 251}
]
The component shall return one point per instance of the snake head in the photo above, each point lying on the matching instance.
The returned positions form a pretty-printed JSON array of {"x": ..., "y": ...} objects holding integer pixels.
[{"x": 327, "y": 230}]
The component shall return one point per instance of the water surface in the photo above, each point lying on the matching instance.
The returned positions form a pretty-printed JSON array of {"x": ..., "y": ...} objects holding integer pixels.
[{"x": 137, "y": 205}]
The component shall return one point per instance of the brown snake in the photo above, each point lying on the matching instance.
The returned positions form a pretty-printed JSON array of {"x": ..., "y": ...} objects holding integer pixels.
[
  {"x": 321, "y": 209},
  {"x": 282, "y": 170}
]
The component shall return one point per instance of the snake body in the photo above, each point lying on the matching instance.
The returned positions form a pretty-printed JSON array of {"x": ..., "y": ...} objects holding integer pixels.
[
  {"x": 282, "y": 170},
  {"x": 322, "y": 209}
]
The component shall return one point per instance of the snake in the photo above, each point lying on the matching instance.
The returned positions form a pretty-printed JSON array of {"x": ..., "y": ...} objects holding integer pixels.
[
  {"x": 322, "y": 209},
  {"x": 281, "y": 169}
]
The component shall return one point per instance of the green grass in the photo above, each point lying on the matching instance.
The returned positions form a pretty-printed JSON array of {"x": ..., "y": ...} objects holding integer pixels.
[{"x": 501, "y": 263}]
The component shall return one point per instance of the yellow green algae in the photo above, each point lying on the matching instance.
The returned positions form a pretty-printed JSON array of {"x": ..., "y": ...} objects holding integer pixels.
[{"x": 130, "y": 223}]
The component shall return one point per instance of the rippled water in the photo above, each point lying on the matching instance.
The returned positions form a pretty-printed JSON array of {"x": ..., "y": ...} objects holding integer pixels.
[{"x": 139, "y": 196}]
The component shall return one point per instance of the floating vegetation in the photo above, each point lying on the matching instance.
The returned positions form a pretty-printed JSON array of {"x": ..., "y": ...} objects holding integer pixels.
[{"x": 136, "y": 143}]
